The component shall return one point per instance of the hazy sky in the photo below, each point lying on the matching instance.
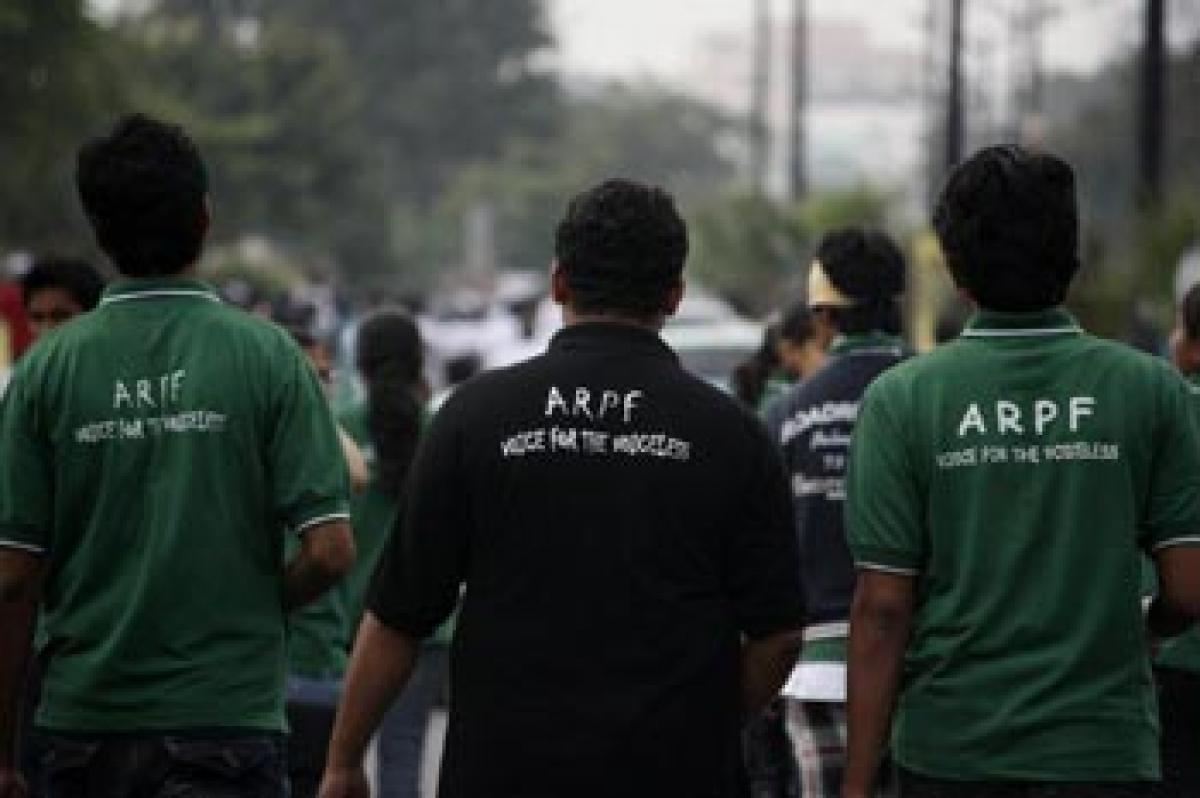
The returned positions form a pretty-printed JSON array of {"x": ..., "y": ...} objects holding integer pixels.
[{"x": 659, "y": 38}]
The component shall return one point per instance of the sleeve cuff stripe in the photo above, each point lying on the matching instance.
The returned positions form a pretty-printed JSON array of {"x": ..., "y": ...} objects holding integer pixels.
[
  {"x": 1189, "y": 540},
  {"x": 887, "y": 569},
  {"x": 321, "y": 519},
  {"x": 14, "y": 544}
]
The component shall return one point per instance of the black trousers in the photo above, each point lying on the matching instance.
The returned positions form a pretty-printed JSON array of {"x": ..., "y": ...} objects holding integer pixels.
[
  {"x": 1179, "y": 713},
  {"x": 311, "y": 727},
  {"x": 165, "y": 766},
  {"x": 914, "y": 786}
]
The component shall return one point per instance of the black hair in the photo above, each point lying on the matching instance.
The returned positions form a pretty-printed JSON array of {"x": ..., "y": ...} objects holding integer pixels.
[
  {"x": 143, "y": 188},
  {"x": 622, "y": 246},
  {"x": 797, "y": 324},
  {"x": 1009, "y": 227},
  {"x": 74, "y": 276},
  {"x": 1189, "y": 313},
  {"x": 868, "y": 267},
  {"x": 388, "y": 356},
  {"x": 749, "y": 378}
]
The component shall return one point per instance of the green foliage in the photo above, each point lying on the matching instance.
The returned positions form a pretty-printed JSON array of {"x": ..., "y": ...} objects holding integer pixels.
[
  {"x": 58, "y": 79},
  {"x": 277, "y": 118},
  {"x": 647, "y": 134},
  {"x": 755, "y": 251}
]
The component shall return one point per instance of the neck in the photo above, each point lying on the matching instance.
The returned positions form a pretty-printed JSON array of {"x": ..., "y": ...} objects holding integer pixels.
[{"x": 572, "y": 317}]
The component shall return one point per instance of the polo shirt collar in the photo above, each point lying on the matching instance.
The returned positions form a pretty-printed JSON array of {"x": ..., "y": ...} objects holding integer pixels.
[
  {"x": 1038, "y": 324},
  {"x": 610, "y": 336},
  {"x": 158, "y": 288},
  {"x": 873, "y": 343}
]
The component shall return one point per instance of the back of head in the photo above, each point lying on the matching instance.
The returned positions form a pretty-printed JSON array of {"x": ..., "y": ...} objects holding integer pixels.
[
  {"x": 388, "y": 355},
  {"x": 622, "y": 246},
  {"x": 73, "y": 276},
  {"x": 1009, "y": 227},
  {"x": 866, "y": 270},
  {"x": 143, "y": 188}
]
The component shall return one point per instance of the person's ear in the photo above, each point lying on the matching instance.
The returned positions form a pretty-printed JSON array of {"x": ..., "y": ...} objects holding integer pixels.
[
  {"x": 205, "y": 220},
  {"x": 1186, "y": 354},
  {"x": 560, "y": 289},
  {"x": 674, "y": 297}
]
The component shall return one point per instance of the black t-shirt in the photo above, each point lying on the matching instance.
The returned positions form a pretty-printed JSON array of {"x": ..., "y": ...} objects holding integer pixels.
[
  {"x": 619, "y": 525},
  {"x": 812, "y": 424}
]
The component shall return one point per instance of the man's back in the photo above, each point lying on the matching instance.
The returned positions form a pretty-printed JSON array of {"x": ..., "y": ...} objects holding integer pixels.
[
  {"x": 619, "y": 525},
  {"x": 1016, "y": 472},
  {"x": 159, "y": 446}
]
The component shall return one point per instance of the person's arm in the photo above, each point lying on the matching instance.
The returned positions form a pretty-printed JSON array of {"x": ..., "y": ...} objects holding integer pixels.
[
  {"x": 326, "y": 555},
  {"x": 19, "y": 582},
  {"x": 380, "y": 666},
  {"x": 1177, "y": 606},
  {"x": 766, "y": 663},
  {"x": 880, "y": 618},
  {"x": 356, "y": 464}
]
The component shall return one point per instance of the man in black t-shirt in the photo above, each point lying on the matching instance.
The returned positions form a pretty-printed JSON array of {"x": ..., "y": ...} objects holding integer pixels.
[{"x": 624, "y": 535}]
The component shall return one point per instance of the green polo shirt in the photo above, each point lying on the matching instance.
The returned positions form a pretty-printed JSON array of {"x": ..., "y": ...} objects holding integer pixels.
[
  {"x": 1017, "y": 473},
  {"x": 152, "y": 451}
]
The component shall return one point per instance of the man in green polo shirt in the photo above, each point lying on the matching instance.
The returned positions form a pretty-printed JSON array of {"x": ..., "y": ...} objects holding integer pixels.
[
  {"x": 999, "y": 492},
  {"x": 150, "y": 452}
]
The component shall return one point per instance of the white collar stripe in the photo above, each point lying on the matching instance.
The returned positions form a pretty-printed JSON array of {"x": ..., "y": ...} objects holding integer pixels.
[
  {"x": 158, "y": 294},
  {"x": 977, "y": 333}
]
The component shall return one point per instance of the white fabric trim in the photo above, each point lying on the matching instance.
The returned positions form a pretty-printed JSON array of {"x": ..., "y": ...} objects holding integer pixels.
[
  {"x": 13, "y": 544},
  {"x": 1037, "y": 332},
  {"x": 321, "y": 519},
  {"x": 158, "y": 293},
  {"x": 826, "y": 631},
  {"x": 1189, "y": 540},
  {"x": 817, "y": 681},
  {"x": 887, "y": 569}
]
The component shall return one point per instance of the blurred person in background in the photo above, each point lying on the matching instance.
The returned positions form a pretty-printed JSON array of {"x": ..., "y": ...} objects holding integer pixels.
[
  {"x": 791, "y": 351},
  {"x": 383, "y": 429},
  {"x": 389, "y": 357},
  {"x": 1177, "y": 660},
  {"x": 855, "y": 283},
  {"x": 149, "y": 453},
  {"x": 627, "y": 603},
  {"x": 1000, "y": 490},
  {"x": 53, "y": 291},
  {"x": 56, "y": 290}
]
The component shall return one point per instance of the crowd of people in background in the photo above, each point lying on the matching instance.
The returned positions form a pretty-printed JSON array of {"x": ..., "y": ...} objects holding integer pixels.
[{"x": 860, "y": 572}]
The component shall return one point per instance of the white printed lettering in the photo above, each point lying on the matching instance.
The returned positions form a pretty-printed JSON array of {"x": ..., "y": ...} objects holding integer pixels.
[
  {"x": 972, "y": 420},
  {"x": 1008, "y": 417},
  {"x": 555, "y": 401},
  {"x": 1081, "y": 406},
  {"x": 1044, "y": 411}
]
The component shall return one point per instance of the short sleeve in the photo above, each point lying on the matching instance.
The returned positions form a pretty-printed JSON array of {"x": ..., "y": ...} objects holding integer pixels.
[
  {"x": 764, "y": 555},
  {"x": 26, "y": 471},
  {"x": 883, "y": 506},
  {"x": 1172, "y": 516},
  {"x": 308, "y": 471},
  {"x": 417, "y": 583}
]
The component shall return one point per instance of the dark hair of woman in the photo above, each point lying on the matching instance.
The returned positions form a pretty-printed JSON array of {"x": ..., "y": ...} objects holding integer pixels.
[
  {"x": 750, "y": 377},
  {"x": 388, "y": 357}
]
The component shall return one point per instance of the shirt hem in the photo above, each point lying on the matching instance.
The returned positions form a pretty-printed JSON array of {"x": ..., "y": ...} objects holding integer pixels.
[{"x": 167, "y": 725}]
